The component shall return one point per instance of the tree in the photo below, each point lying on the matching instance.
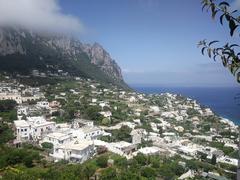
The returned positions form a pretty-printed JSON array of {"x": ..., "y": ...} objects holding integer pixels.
[
  {"x": 89, "y": 170},
  {"x": 109, "y": 173},
  {"x": 229, "y": 53},
  {"x": 47, "y": 145},
  {"x": 148, "y": 172},
  {"x": 102, "y": 161},
  {"x": 7, "y": 105},
  {"x": 141, "y": 159},
  {"x": 6, "y": 133},
  {"x": 214, "y": 159},
  {"x": 106, "y": 121}
]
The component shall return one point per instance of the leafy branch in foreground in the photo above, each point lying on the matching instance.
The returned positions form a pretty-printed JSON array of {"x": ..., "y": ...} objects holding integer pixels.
[
  {"x": 224, "y": 9},
  {"x": 229, "y": 54}
]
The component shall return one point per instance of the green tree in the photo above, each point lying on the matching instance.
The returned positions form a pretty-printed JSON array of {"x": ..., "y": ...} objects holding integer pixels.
[
  {"x": 102, "y": 161},
  {"x": 89, "y": 170},
  {"x": 47, "y": 145},
  {"x": 109, "y": 173},
  {"x": 214, "y": 159},
  {"x": 141, "y": 159},
  {"x": 148, "y": 172},
  {"x": 7, "y": 105}
]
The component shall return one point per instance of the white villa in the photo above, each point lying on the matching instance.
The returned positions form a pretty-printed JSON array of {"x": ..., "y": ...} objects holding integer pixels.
[
  {"x": 74, "y": 151},
  {"x": 57, "y": 138},
  {"x": 32, "y": 129}
]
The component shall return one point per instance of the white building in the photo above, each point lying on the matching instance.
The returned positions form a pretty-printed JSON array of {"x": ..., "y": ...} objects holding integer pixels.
[
  {"x": 125, "y": 147},
  {"x": 106, "y": 114},
  {"x": 155, "y": 109},
  {"x": 33, "y": 128},
  {"x": 78, "y": 151},
  {"x": 138, "y": 135},
  {"x": 228, "y": 160},
  {"x": 11, "y": 96},
  {"x": 57, "y": 138},
  {"x": 43, "y": 104},
  {"x": 151, "y": 150},
  {"x": 92, "y": 132},
  {"x": 22, "y": 131}
]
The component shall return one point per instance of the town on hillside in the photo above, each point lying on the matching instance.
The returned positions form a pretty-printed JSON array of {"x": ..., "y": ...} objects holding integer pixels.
[{"x": 77, "y": 120}]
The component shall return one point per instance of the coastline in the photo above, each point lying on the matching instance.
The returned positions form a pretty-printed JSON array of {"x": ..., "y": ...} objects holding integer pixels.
[{"x": 219, "y": 100}]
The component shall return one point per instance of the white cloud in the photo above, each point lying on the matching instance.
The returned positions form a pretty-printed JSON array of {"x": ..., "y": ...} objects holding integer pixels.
[{"x": 42, "y": 15}]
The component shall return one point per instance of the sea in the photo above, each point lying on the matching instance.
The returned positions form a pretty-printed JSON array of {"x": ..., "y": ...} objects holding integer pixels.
[{"x": 224, "y": 101}]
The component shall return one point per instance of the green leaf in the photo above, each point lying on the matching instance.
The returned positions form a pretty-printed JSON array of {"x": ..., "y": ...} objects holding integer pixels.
[
  {"x": 203, "y": 7},
  {"x": 234, "y": 11},
  {"x": 212, "y": 43},
  {"x": 209, "y": 53},
  {"x": 227, "y": 17},
  {"x": 214, "y": 57},
  {"x": 214, "y": 12},
  {"x": 221, "y": 19},
  {"x": 224, "y": 3},
  {"x": 234, "y": 45},
  {"x": 203, "y": 49},
  {"x": 232, "y": 26},
  {"x": 224, "y": 61},
  {"x": 238, "y": 77},
  {"x": 235, "y": 70}
]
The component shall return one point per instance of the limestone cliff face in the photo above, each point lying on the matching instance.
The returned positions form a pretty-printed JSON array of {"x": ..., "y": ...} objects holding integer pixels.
[
  {"x": 100, "y": 57},
  {"x": 16, "y": 42},
  {"x": 10, "y": 42}
]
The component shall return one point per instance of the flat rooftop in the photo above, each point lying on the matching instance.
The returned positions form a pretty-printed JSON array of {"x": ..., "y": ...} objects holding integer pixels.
[
  {"x": 21, "y": 123},
  {"x": 77, "y": 145},
  {"x": 57, "y": 135}
]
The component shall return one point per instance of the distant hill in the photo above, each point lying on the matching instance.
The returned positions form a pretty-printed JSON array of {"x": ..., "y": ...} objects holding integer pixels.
[{"x": 23, "y": 51}]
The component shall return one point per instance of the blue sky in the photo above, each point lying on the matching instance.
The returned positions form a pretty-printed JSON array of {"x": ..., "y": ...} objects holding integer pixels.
[{"x": 154, "y": 41}]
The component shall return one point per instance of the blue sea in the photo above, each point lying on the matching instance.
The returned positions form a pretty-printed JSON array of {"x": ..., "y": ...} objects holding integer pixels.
[{"x": 224, "y": 101}]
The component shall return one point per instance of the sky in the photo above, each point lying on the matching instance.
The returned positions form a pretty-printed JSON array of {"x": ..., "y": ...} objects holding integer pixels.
[{"x": 153, "y": 41}]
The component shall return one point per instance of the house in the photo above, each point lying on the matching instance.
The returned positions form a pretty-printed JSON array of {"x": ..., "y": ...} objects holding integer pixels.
[
  {"x": 22, "y": 111},
  {"x": 22, "y": 131},
  {"x": 32, "y": 129},
  {"x": 188, "y": 150},
  {"x": 208, "y": 112},
  {"x": 43, "y": 104},
  {"x": 77, "y": 151},
  {"x": 57, "y": 138},
  {"x": 155, "y": 109},
  {"x": 78, "y": 123},
  {"x": 137, "y": 135},
  {"x": 151, "y": 150},
  {"x": 39, "y": 126},
  {"x": 106, "y": 114},
  {"x": 187, "y": 175},
  {"x": 11, "y": 96},
  {"x": 54, "y": 104},
  {"x": 228, "y": 160},
  {"x": 92, "y": 132},
  {"x": 94, "y": 100},
  {"x": 125, "y": 147},
  {"x": 132, "y": 99}
]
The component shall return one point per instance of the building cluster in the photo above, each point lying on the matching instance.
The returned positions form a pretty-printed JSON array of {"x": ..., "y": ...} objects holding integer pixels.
[
  {"x": 19, "y": 92},
  {"x": 170, "y": 124}
]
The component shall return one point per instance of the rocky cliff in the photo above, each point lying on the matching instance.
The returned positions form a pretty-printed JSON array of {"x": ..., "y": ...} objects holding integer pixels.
[{"x": 23, "y": 51}]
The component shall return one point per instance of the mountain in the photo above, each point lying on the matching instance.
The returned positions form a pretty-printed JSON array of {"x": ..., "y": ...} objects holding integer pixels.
[{"x": 22, "y": 51}]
